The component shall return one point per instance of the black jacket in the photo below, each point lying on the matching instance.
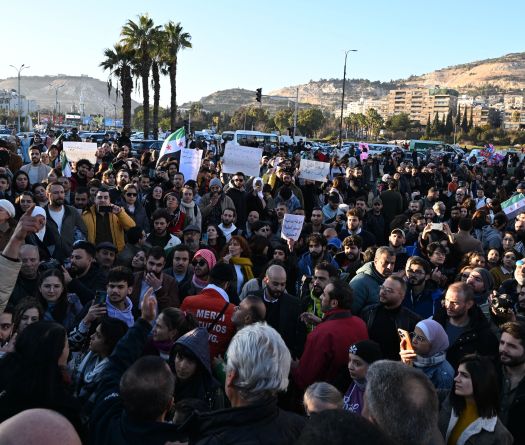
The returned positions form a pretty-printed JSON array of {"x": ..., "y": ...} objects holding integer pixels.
[
  {"x": 85, "y": 287},
  {"x": 516, "y": 414},
  {"x": 292, "y": 330},
  {"x": 258, "y": 424},
  {"x": 109, "y": 422},
  {"x": 477, "y": 338}
]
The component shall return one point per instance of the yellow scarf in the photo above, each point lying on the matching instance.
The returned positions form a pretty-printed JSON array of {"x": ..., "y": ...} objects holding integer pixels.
[{"x": 246, "y": 266}]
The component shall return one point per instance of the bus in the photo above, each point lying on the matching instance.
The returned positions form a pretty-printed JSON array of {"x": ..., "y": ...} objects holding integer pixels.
[{"x": 256, "y": 139}]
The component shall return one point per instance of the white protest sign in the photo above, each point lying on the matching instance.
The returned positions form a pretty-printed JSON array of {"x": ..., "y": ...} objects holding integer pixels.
[
  {"x": 314, "y": 170},
  {"x": 238, "y": 158},
  {"x": 292, "y": 226},
  {"x": 80, "y": 150},
  {"x": 190, "y": 163}
]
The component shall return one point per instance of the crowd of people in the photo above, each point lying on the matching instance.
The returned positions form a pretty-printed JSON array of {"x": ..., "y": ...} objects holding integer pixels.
[{"x": 138, "y": 306}]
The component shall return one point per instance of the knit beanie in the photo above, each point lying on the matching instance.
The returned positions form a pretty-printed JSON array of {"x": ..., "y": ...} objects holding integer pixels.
[
  {"x": 436, "y": 336},
  {"x": 368, "y": 350},
  {"x": 216, "y": 181},
  {"x": 488, "y": 281},
  {"x": 8, "y": 207},
  {"x": 208, "y": 256}
]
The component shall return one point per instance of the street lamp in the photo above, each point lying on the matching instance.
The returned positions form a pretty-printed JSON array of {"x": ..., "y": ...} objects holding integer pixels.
[
  {"x": 343, "y": 100},
  {"x": 56, "y": 98},
  {"x": 22, "y": 67}
]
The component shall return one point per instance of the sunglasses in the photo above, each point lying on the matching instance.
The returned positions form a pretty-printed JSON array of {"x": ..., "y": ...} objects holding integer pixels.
[
  {"x": 131, "y": 194},
  {"x": 200, "y": 263}
]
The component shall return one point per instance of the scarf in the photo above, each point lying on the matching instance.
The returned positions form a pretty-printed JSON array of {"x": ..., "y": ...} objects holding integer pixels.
[
  {"x": 246, "y": 266},
  {"x": 425, "y": 362},
  {"x": 188, "y": 210},
  {"x": 198, "y": 283},
  {"x": 92, "y": 366}
]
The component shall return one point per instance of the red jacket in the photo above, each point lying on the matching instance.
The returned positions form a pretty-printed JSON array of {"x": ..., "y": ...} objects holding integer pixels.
[
  {"x": 206, "y": 307},
  {"x": 326, "y": 349}
]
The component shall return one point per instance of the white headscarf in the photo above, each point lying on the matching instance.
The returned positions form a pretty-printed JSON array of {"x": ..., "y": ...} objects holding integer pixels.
[{"x": 36, "y": 212}]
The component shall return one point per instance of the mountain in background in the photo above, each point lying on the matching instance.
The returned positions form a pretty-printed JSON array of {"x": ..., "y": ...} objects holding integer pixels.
[
  {"x": 502, "y": 74},
  {"x": 93, "y": 93}
]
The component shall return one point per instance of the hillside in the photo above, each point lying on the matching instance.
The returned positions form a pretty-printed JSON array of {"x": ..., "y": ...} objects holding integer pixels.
[
  {"x": 76, "y": 89},
  {"x": 506, "y": 73}
]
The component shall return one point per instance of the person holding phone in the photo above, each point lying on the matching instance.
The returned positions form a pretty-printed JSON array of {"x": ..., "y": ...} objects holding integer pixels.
[{"x": 106, "y": 221}]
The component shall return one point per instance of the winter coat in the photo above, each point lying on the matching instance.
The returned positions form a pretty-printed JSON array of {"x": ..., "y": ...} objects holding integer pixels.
[
  {"x": 516, "y": 414},
  {"x": 206, "y": 307},
  {"x": 483, "y": 431},
  {"x": 212, "y": 214},
  {"x": 167, "y": 295},
  {"x": 477, "y": 337},
  {"x": 86, "y": 286},
  {"x": 71, "y": 223},
  {"x": 365, "y": 286},
  {"x": 109, "y": 423},
  {"x": 202, "y": 385},
  {"x": 306, "y": 266},
  {"x": 424, "y": 303},
  {"x": 118, "y": 224},
  {"x": 326, "y": 350},
  {"x": 260, "y": 423},
  {"x": 491, "y": 238}
]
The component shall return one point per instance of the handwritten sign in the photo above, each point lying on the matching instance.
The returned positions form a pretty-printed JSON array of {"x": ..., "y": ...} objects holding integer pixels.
[
  {"x": 190, "y": 162},
  {"x": 314, "y": 170},
  {"x": 80, "y": 150},
  {"x": 238, "y": 158},
  {"x": 292, "y": 226}
]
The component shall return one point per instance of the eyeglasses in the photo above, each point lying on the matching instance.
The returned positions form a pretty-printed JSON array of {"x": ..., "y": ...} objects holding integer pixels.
[
  {"x": 417, "y": 337},
  {"x": 200, "y": 263},
  {"x": 520, "y": 262},
  {"x": 131, "y": 194},
  {"x": 238, "y": 180}
]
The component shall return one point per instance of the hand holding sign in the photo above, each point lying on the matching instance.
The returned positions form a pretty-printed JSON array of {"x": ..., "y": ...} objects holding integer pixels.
[{"x": 292, "y": 226}]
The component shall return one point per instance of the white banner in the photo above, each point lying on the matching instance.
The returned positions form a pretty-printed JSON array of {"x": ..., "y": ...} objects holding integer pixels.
[
  {"x": 190, "y": 163},
  {"x": 80, "y": 150},
  {"x": 292, "y": 226},
  {"x": 314, "y": 170},
  {"x": 238, "y": 158}
]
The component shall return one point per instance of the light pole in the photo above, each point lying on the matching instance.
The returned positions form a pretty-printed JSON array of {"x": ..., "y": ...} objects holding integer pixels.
[
  {"x": 343, "y": 100},
  {"x": 22, "y": 67},
  {"x": 56, "y": 99},
  {"x": 115, "y": 116}
]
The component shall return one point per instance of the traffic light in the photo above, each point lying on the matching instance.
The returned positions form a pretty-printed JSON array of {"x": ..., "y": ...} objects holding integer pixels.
[{"x": 258, "y": 94}]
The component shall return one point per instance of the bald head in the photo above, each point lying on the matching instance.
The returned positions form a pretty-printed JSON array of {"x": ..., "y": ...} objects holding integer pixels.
[
  {"x": 30, "y": 258},
  {"x": 276, "y": 272},
  {"x": 41, "y": 426}
]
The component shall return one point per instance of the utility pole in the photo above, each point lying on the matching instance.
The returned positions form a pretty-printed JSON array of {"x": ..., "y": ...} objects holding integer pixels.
[
  {"x": 19, "y": 70},
  {"x": 343, "y": 100},
  {"x": 295, "y": 113}
]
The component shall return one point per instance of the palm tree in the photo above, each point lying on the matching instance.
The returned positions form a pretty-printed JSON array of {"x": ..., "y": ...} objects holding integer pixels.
[
  {"x": 118, "y": 61},
  {"x": 139, "y": 37},
  {"x": 176, "y": 40},
  {"x": 157, "y": 66}
]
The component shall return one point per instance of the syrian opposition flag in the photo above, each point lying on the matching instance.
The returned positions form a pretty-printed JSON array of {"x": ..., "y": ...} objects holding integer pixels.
[
  {"x": 66, "y": 167},
  {"x": 173, "y": 143},
  {"x": 511, "y": 207}
]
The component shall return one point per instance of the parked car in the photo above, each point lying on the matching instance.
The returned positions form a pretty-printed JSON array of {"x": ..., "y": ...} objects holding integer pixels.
[{"x": 139, "y": 147}]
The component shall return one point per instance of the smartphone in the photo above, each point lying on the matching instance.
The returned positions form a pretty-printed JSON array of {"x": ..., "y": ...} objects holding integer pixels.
[
  {"x": 105, "y": 209},
  {"x": 437, "y": 226},
  {"x": 406, "y": 344},
  {"x": 100, "y": 298},
  {"x": 204, "y": 239}
]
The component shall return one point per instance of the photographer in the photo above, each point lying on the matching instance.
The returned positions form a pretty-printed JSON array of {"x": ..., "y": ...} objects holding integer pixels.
[{"x": 106, "y": 221}]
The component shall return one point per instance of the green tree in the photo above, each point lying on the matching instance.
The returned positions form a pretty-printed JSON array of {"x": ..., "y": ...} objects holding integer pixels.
[
  {"x": 449, "y": 125},
  {"x": 175, "y": 40},
  {"x": 464, "y": 121},
  {"x": 283, "y": 119},
  {"x": 399, "y": 122},
  {"x": 374, "y": 120},
  {"x": 139, "y": 37},
  {"x": 428, "y": 129},
  {"x": 471, "y": 119},
  {"x": 310, "y": 120},
  {"x": 118, "y": 61},
  {"x": 458, "y": 117},
  {"x": 494, "y": 118},
  {"x": 435, "y": 127}
]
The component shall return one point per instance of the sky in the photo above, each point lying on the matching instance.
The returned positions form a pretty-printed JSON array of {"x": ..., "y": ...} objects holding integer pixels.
[{"x": 269, "y": 43}]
